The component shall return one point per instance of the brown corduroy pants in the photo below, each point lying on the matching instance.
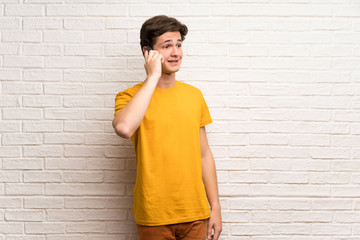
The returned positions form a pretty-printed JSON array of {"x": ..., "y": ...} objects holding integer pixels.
[{"x": 185, "y": 231}]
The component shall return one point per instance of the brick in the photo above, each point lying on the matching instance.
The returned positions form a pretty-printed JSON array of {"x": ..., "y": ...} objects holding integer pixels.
[
  {"x": 201, "y": 50},
  {"x": 43, "y": 151},
  {"x": 24, "y": 215},
  {"x": 11, "y": 177},
  {"x": 65, "y": 215},
  {"x": 63, "y": 37},
  {"x": 24, "y": 10},
  {"x": 9, "y": 49},
  {"x": 42, "y": 50},
  {"x": 251, "y": 230},
  {"x": 42, "y": 101},
  {"x": 44, "y": 228},
  {"x": 42, "y": 75},
  {"x": 331, "y": 229},
  {"x": 253, "y": 152},
  {"x": 99, "y": 114},
  {"x": 306, "y": 140},
  {"x": 43, "y": 1},
  {"x": 105, "y": 37},
  {"x": 24, "y": 189},
  {"x": 83, "y": 151},
  {"x": 113, "y": 215},
  {"x": 83, "y": 177},
  {"x": 42, "y": 177},
  {"x": 290, "y": 204},
  {"x": 345, "y": 191},
  {"x": 278, "y": 9},
  {"x": 142, "y": 11},
  {"x": 88, "y": 127},
  {"x": 310, "y": 115},
  {"x": 122, "y": 23},
  {"x": 63, "y": 138},
  {"x": 312, "y": 216},
  {"x": 26, "y": 62},
  {"x": 88, "y": 227},
  {"x": 329, "y": 153},
  {"x": 291, "y": 229},
  {"x": 22, "y": 88},
  {"x": 64, "y": 114},
  {"x": 63, "y": 89},
  {"x": 42, "y": 126},
  {"x": 22, "y": 36},
  {"x": 244, "y": 177},
  {"x": 22, "y": 114},
  {"x": 23, "y": 164},
  {"x": 10, "y": 75},
  {"x": 10, "y": 23},
  {"x": 84, "y": 50},
  {"x": 122, "y": 50},
  {"x": 107, "y": 139},
  {"x": 11, "y": 228},
  {"x": 310, "y": 165},
  {"x": 289, "y": 178},
  {"x": 40, "y": 23},
  {"x": 65, "y": 163},
  {"x": 83, "y": 76},
  {"x": 65, "y": 10},
  {"x": 9, "y": 101},
  {"x": 351, "y": 10},
  {"x": 64, "y": 62},
  {"x": 101, "y": 62},
  {"x": 84, "y": 101},
  {"x": 9, "y": 126},
  {"x": 271, "y": 217},
  {"x": 10, "y": 152},
  {"x": 85, "y": 202},
  {"x": 43, "y": 202},
  {"x": 85, "y": 189},
  {"x": 233, "y": 190},
  {"x": 106, "y": 10},
  {"x": 309, "y": 190},
  {"x": 105, "y": 164},
  {"x": 270, "y": 164},
  {"x": 18, "y": 237},
  {"x": 85, "y": 23},
  {"x": 331, "y": 204},
  {"x": 10, "y": 202},
  {"x": 21, "y": 139}
]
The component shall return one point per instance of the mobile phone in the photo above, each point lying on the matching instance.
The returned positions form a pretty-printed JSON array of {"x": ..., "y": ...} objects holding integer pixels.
[{"x": 148, "y": 48}]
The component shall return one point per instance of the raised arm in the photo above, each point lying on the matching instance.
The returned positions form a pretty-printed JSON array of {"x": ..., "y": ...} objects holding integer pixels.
[{"x": 128, "y": 119}]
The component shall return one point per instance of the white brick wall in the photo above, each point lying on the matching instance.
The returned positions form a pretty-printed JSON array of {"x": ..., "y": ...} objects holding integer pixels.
[{"x": 281, "y": 78}]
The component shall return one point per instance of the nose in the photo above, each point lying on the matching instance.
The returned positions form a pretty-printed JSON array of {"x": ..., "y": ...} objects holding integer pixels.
[{"x": 175, "y": 51}]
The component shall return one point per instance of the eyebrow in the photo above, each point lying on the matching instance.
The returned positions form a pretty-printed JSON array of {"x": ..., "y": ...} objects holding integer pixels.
[{"x": 169, "y": 40}]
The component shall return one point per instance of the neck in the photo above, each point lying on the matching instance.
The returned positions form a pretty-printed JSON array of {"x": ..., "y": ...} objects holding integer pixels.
[{"x": 167, "y": 80}]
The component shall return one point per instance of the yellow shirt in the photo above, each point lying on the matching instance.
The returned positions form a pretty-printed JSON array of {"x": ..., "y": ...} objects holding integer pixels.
[{"x": 169, "y": 187}]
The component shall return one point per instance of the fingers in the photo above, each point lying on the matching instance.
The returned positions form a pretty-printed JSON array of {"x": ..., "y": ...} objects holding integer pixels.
[
  {"x": 209, "y": 230},
  {"x": 216, "y": 234}
]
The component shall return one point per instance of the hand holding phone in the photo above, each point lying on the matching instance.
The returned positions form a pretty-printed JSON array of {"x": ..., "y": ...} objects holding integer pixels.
[{"x": 153, "y": 61}]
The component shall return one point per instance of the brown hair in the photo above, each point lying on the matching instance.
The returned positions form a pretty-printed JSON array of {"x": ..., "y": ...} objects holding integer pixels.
[{"x": 158, "y": 25}]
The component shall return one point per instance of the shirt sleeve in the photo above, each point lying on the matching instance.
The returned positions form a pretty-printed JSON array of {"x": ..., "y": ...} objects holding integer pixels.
[
  {"x": 121, "y": 99},
  {"x": 205, "y": 113}
]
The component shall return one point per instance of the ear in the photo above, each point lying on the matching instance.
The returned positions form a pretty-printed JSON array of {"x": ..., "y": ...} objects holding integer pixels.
[{"x": 143, "y": 50}]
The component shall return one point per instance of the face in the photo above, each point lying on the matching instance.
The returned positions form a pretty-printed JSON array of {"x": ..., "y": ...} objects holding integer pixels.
[{"x": 169, "y": 45}]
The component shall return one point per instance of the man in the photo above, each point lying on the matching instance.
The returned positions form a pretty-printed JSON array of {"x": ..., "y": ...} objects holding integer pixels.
[{"x": 165, "y": 118}]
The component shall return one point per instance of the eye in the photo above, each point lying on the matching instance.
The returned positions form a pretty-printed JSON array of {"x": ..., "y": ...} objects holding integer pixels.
[
  {"x": 166, "y": 46},
  {"x": 179, "y": 45}
]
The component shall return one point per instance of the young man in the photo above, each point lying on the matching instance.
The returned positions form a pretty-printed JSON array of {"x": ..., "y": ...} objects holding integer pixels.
[{"x": 165, "y": 118}]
